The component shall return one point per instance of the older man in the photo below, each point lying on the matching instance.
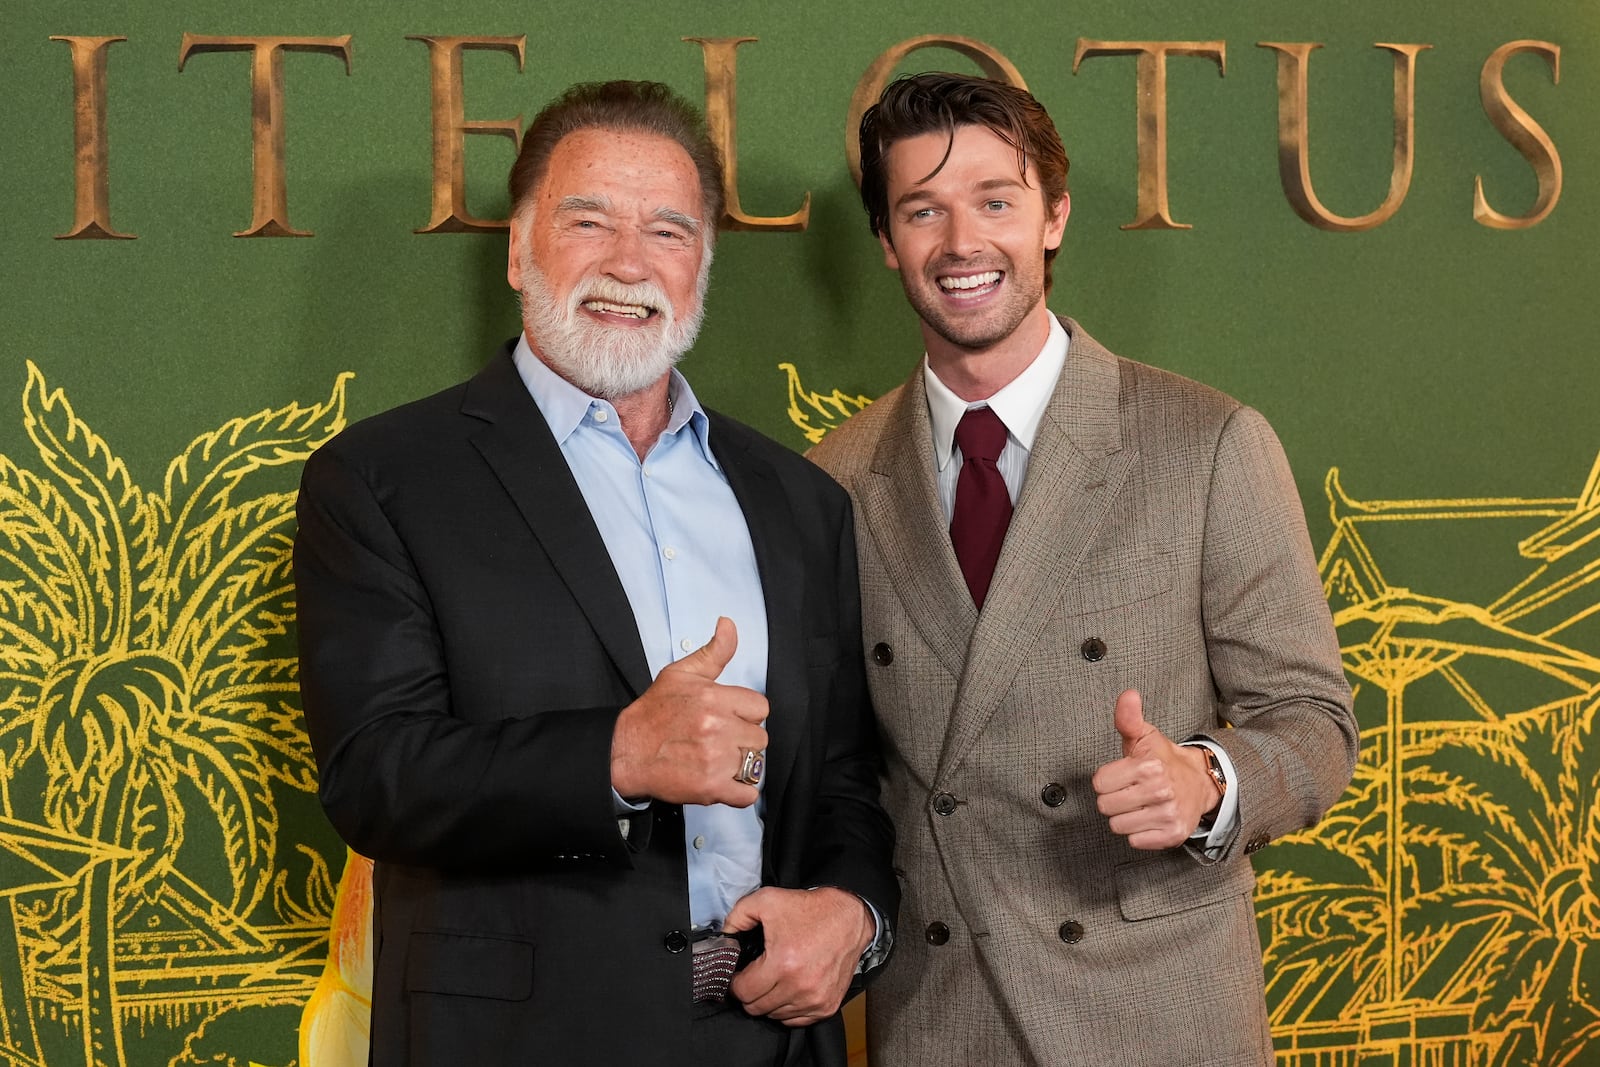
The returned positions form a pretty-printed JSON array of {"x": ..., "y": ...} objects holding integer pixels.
[
  {"x": 581, "y": 661},
  {"x": 1101, "y": 655}
]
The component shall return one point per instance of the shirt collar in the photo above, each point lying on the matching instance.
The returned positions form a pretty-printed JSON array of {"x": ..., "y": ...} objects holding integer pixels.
[
  {"x": 1020, "y": 403},
  {"x": 565, "y": 406}
]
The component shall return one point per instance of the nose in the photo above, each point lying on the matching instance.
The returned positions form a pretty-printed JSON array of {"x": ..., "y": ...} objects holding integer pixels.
[
  {"x": 625, "y": 258},
  {"x": 961, "y": 235}
]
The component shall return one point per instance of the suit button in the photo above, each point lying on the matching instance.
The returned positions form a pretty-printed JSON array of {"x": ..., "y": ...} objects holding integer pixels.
[
  {"x": 1257, "y": 843},
  {"x": 944, "y": 803},
  {"x": 1071, "y": 932},
  {"x": 1093, "y": 650},
  {"x": 1053, "y": 795},
  {"x": 676, "y": 941},
  {"x": 937, "y": 933},
  {"x": 882, "y": 654}
]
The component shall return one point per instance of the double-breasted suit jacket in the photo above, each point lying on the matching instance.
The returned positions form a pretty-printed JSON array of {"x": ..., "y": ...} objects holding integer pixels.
[
  {"x": 466, "y": 648},
  {"x": 1157, "y": 543}
]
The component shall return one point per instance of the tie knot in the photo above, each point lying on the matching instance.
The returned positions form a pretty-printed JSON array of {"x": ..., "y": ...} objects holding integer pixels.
[{"x": 981, "y": 435}]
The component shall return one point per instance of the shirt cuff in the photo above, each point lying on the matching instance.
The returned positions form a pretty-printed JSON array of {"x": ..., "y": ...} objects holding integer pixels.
[
  {"x": 625, "y": 810},
  {"x": 882, "y": 940},
  {"x": 1212, "y": 842}
]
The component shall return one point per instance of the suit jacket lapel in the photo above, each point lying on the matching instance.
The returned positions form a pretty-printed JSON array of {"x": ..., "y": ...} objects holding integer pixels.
[
  {"x": 899, "y": 505},
  {"x": 516, "y": 442},
  {"x": 771, "y": 523},
  {"x": 1076, "y": 469}
]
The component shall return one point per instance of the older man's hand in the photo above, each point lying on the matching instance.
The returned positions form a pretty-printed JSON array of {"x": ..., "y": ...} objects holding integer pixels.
[
  {"x": 814, "y": 939},
  {"x": 684, "y": 739}
]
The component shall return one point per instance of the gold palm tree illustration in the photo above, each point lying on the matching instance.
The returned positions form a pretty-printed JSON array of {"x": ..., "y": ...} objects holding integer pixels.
[{"x": 148, "y": 683}]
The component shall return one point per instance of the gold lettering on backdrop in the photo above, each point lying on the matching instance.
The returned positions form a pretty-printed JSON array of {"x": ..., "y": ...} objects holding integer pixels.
[
  {"x": 720, "y": 55},
  {"x": 992, "y": 63},
  {"x": 1151, "y": 90},
  {"x": 270, "y": 200},
  {"x": 91, "y": 201},
  {"x": 451, "y": 126},
  {"x": 1294, "y": 167},
  {"x": 1525, "y": 135}
]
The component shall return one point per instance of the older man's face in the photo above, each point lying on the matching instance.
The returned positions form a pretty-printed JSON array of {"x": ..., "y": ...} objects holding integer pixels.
[{"x": 611, "y": 258}]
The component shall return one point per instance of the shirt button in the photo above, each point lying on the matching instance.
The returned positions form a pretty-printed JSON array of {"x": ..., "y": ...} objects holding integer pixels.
[
  {"x": 937, "y": 933},
  {"x": 882, "y": 654},
  {"x": 700, "y": 841},
  {"x": 600, "y": 415},
  {"x": 686, "y": 645},
  {"x": 670, "y": 552}
]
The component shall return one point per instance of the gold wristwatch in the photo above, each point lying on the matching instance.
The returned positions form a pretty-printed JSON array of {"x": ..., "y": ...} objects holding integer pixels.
[{"x": 1220, "y": 780}]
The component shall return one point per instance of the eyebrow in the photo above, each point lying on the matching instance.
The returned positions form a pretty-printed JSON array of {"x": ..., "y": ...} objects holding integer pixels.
[
  {"x": 603, "y": 206},
  {"x": 678, "y": 218}
]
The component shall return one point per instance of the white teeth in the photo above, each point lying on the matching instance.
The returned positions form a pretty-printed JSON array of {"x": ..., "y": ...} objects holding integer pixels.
[
  {"x": 637, "y": 311},
  {"x": 970, "y": 281}
]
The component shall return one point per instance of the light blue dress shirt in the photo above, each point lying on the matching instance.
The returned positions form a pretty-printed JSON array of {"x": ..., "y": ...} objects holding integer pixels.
[{"x": 678, "y": 540}]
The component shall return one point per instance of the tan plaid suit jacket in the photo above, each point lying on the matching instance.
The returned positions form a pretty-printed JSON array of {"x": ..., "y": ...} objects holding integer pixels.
[{"x": 1160, "y": 520}]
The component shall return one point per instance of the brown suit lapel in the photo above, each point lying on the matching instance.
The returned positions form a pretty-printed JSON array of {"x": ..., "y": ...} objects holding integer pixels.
[
  {"x": 1077, "y": 467},
  {"x": 900, "y": 506}
]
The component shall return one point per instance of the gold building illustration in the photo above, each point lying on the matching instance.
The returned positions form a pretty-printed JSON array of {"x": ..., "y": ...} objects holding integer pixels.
[{"x": 1446, "y": 911}]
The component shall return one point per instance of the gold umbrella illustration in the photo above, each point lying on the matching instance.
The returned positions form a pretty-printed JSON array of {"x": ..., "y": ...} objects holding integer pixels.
[{"x": 1398, "y": 637}]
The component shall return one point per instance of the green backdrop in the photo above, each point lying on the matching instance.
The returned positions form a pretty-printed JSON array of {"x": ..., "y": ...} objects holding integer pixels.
[{"x": 165, "y": 874}]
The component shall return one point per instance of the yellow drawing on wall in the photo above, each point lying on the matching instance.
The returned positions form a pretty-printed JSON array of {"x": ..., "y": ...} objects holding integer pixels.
[
  {"x": 814, "y": 414},
  {"x": 1446, "y": 910},
  {"x": 151, "y": 741},
  {"x": 164, "y": 900}
]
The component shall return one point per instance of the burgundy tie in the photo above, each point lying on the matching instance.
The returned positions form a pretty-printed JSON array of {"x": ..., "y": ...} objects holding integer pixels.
[{"x": 983, "y": 507}]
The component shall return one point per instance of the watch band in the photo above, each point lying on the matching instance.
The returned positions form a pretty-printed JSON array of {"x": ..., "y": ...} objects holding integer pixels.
[{"x": 1220, "y": 780}]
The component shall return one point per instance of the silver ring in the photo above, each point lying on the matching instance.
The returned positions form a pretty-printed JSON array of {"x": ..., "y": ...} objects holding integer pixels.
[{"x": 751, "y": 767}]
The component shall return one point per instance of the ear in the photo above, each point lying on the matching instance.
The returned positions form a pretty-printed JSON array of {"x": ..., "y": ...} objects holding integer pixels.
[
  {"x": 1056, "y": 224},
  {"x": 514, "y": 256},
  {"x": 890, "y": 260}
]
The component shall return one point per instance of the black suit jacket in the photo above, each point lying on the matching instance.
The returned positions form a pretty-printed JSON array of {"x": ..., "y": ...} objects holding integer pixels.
[{"x": 466, "y": 647}]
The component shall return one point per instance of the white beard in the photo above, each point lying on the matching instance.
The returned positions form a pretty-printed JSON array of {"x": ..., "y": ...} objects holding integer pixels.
[{"x": 609, "y": 362}]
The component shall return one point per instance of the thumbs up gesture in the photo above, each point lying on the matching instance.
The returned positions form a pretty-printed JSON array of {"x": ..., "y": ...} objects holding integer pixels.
[
  {"x": 1157, "y": 792},
  {"x": 684, "y": 739}
]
